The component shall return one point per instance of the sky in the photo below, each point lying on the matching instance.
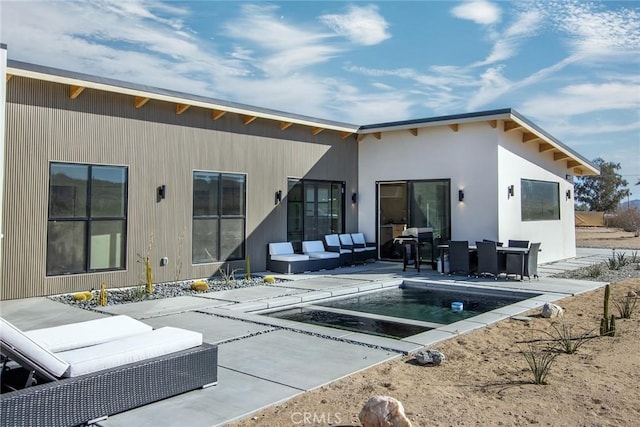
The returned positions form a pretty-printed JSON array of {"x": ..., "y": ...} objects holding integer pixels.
[{"x": 572, "y": 67}]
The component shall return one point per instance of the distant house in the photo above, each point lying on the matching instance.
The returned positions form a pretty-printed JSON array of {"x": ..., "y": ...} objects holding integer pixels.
[{"x": 99, "y": 174}]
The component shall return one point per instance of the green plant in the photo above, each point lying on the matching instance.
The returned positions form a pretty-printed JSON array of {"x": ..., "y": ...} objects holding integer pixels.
[
  {"x": 622, "y": 259},
  {"x": 103, "y": 294},
  {"x": 540, "y": 362},
  {"x": 626, "y": 306},
  {"x": 635, "y": 257},
  {"x": 612, "y": 262},
  {"x": 247, "y": 275},
  {"x": 564, "y": 339},
  {"x": 594, "y": 270},
  {"x": 228, "y": 275},
  {"x": 607, "y": 324}
]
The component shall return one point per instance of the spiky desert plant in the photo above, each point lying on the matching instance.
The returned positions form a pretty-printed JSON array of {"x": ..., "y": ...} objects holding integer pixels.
[
  {"x": 565, "y": 341},
  {"x": 228, "y": 275},
  {"x": 626, "y": 306},
  {"x": 540, "y": 362}
]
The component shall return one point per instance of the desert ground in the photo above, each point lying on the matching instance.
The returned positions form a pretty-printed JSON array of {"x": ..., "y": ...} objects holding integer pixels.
[{"x": 485, "y": 379}]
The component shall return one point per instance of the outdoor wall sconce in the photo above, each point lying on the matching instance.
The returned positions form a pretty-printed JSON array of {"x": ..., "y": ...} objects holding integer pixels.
[
  {"x": 161, "y": 192},
  {"x": 354, "y": 197},
  {"x": 461, "y": 195},
  {"x": 511, "y": 191},
  {"x": 278, "y": 196},
  {"x": 568, "y": 194}
]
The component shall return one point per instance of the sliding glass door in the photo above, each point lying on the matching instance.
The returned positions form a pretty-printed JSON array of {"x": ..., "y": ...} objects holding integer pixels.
[
  {"x": 405, "y": 204},
  {"x": 314, "y": 209}
]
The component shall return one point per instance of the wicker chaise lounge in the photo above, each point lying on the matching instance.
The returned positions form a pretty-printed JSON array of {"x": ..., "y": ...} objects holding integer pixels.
[{"x": 86, "y": 384}]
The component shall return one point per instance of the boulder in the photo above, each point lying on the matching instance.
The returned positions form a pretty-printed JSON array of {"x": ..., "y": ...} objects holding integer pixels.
[
  {"x": 429, "y": 357},
  {"x": 383, "y": 411},
  {"x": 550, "y": 311}
]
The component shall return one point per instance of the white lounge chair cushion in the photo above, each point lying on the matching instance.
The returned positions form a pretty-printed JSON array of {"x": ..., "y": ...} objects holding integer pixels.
[
  {"x": 84, "y": 334},
  {"x": 332, "y": 240},
  {"x": 312, "y": 246},
  {"x": 32, "y": 350},
  {"x": 127, "y": 350},
  {"x": 280, "y": 248},
  {"x": 345, "y": 239},
  {"x": 290, "y": 257}
]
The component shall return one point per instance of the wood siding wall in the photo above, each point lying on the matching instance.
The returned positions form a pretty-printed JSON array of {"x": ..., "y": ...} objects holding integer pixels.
[{"x": 159, "y": 147}]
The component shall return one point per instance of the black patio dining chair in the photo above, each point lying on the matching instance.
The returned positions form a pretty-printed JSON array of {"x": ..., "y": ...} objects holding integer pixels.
[
  {"x": 488, "y": 264},
  {"x": 531, "y": 261},
  {"x": 518, "y": 243},
  {"x": 459, "y": 257}
]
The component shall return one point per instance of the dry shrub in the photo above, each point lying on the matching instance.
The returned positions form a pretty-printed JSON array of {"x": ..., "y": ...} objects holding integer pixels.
[{"x": 627, "y": 219}]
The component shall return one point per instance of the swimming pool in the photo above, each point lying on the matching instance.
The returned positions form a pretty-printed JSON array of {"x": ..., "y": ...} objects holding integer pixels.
[{"x": 402, "y": 311}]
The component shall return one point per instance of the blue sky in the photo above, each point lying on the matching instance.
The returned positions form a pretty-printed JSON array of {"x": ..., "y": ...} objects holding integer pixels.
[{"x": 573, "y": 67}]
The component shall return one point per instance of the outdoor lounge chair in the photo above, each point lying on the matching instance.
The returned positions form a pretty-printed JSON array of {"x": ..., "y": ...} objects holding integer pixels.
[
  {"x": 282, "y": 258},
  {"x": 332, "y": 243},
  {"x": 86, "y": 384},
  {"x": 359, "y": 253},
  {"x": 368, "y": 248},
  {"x": 325, "y": 260}
]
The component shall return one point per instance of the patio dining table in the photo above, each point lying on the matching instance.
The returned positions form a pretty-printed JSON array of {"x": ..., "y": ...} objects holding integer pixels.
[{"x": 515, "y": 262}]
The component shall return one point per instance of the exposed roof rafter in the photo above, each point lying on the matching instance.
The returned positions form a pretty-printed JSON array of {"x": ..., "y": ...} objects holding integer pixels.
[
  {"x": 181, "y": 108},
  {"x": 511, "y": 125},
  {"x": 377, "y": 135},
  {"x": 139, "y": 101},
  {"x": 414, "y": 131},
  {"x": 545, "y": 146},
  {"x": 345, "y": 135},
  {"x": 572, "y": 164},
  {"x": 454, "y": 127},
  {"x": 248, "y": 119},
  {"x": 285, "y": 125},
  {"x": 316, "y": 130},
  {"x": 360, "y": 137},
  {"x": 561, "y": 156},
  {"x": 75, "y": 91},
  {"x": 9, "y": 76},
  {"x": 493, "y": 123},
  {"x": 528, "y": 137},
  {"x": 217, "y": 114}
]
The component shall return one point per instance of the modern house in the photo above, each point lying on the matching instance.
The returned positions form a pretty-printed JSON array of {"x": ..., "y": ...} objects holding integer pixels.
[{"x": 99, "y": 174}]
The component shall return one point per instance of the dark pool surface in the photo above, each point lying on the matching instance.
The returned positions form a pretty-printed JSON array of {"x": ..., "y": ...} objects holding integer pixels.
[
  {"x": 406, "y": 302},
  {"x": 427, "y": 305},
  {"x": 348, "y": 322}
]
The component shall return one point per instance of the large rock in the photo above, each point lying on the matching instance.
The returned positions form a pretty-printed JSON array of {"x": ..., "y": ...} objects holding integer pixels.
[
  {"x": 551, "y": 310},
  {"x": 429, "y": 357},
  {"x": 383, "y": 411}
]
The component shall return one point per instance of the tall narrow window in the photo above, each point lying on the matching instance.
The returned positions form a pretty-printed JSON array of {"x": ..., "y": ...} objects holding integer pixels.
[
  {"x": 87, "y": 218},
  {"x": 314, "y": 209},
  {"x": 219, "y": 217}
]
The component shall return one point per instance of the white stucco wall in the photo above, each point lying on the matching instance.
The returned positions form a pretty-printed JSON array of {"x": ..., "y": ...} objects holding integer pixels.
[
  {"x": 518, "y": 161},
  {"x": 467, "y": 157},
  {"x": 481, "y": 160}
]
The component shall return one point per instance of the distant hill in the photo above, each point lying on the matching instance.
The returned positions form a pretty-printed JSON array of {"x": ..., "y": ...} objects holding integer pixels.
[{"x": 632, "y": 203}]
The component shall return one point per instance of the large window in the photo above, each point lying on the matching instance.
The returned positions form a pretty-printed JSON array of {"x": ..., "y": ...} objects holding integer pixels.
[
  {"x": 87, "y": 218},
  {"x": 540, "y": 200},
  {"x": 218, "y": 217},
  {"x": 314, "y": 209}
]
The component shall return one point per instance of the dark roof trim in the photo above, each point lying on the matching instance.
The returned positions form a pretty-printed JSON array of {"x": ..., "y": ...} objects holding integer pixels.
[{"x": 437, "y": 119}]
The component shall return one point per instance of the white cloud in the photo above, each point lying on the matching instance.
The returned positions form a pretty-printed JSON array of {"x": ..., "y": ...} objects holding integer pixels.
[
  {"x": 478, "y": 11},
  {"x": 361, "y": 24},
  {"x": 585, "y": 98}
]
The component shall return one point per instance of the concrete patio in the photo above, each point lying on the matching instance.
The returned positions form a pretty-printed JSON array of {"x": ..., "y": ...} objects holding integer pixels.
[{"x": 263, "y": 360}]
